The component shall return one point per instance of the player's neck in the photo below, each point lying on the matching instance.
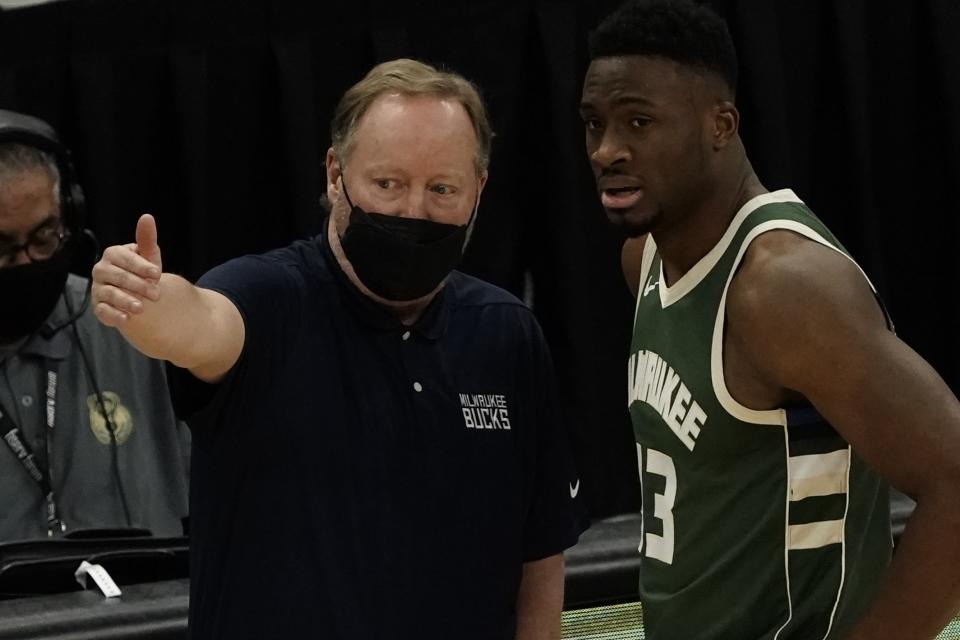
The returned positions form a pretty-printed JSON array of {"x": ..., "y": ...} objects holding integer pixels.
[{"x": 682, "y": 244}]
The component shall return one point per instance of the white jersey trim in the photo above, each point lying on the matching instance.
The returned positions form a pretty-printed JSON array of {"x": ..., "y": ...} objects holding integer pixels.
[
  {"x": 843, "y": 543},
  {"x": 814, "y": 535},
  {"x": 693, "y": 277},
  {"x": 820, "y": 474},
  {"x": 786, "y": 531}
]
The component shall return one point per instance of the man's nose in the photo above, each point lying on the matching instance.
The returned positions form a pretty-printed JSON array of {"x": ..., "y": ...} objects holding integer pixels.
[
  {"x": 19, "y": 258},
  {"x": 415, "y": 205},
  {"x": 611, "y": 150}
]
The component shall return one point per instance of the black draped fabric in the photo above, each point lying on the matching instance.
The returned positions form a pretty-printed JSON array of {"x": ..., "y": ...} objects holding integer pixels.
[{"x": 213, "y": 115}]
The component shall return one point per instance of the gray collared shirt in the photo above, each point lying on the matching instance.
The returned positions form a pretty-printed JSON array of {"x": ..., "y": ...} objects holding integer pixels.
[{"x": 152, "y": 446}]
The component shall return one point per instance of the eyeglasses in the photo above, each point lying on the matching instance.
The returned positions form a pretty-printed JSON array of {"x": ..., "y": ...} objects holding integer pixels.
[{"x": 41, "y": 244}]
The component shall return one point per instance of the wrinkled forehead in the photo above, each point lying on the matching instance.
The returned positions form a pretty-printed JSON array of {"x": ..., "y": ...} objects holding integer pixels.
[{"x": 428, "y": 131}]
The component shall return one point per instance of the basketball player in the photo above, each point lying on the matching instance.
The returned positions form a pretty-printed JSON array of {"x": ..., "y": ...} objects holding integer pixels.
[{"x": 770, "y": 398}]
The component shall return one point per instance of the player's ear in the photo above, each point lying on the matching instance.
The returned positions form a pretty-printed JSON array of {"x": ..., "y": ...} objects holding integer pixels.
[{"x": 724, "y": 124}]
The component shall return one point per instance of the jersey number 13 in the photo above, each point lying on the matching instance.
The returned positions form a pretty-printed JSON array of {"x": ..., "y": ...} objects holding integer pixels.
[{"x": 658, "y": 464}]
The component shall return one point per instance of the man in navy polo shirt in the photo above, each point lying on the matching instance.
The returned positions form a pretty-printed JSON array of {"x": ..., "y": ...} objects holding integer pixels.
[{"x": 378, "y": 451}]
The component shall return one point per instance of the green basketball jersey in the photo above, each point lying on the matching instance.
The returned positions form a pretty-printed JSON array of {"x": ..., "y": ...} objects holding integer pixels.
[{"x": 756, "y": 524}]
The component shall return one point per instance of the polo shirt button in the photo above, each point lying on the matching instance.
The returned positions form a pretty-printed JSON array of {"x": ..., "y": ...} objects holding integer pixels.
[
  {"x": 406, "y": 335},
  {"x": 417, "y": 387},
  {"x": 27, "y": 401}
]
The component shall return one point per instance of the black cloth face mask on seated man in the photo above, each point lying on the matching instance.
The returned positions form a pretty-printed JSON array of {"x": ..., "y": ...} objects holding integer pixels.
[
  {"x": 29, "y": 292},
  {"x": 401, "y": 258}
]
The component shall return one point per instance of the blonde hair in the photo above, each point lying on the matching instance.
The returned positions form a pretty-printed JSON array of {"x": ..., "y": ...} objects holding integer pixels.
[{"x": 409, "y": 78}]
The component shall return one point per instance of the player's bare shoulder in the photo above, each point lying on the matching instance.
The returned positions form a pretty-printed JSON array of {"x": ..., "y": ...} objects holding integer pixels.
[
  {"x": 631, "y": 258},
  {"x": 786, "y": 281}
]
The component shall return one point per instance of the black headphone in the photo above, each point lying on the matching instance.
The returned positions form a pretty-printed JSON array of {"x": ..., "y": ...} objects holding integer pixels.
[{"x": 33, "y": 132}]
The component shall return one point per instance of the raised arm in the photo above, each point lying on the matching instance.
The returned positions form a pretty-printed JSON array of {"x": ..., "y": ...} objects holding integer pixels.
[
  {"x": 163, "y": 315},
  {"x": 807, "y": 320}
]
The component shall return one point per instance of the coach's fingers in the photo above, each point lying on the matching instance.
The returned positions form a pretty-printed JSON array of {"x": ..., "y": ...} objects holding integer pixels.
[
  {"x": 109, "y": 316},
  {"x": 126, "y": 258},
  {"x": 109, "y": 274},
  {"x": 118, "y": 299}
]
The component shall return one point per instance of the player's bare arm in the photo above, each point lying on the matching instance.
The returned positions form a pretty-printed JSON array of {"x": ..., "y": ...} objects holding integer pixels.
[
  {"x": 163, "y": 315},
  {"x": 803, "y": 317}
]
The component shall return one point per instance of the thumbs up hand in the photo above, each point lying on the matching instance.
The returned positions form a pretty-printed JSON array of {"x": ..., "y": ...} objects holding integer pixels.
[
  {"x": 146, "y": 237},
  {"x": 127, "y": 277}
]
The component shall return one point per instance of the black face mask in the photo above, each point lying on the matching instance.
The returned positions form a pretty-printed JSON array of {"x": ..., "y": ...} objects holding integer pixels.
[
  {"x": 401, "y": 258},
  {"x": 29, "y": 292}
]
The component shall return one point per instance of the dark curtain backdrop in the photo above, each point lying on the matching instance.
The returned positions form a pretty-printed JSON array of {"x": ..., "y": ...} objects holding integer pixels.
[{"x": 213, "y": 116}]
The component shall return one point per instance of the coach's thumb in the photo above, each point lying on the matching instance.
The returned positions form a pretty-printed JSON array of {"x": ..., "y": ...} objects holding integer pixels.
[{"x": 147, "y": 239}]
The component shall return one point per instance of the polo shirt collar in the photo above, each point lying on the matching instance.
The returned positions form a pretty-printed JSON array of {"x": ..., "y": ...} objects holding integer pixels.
[{"x": 432, "y": 323}]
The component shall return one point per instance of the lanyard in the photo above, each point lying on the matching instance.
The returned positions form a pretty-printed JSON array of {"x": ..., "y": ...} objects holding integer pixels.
[{"x": 21, "y": 449}]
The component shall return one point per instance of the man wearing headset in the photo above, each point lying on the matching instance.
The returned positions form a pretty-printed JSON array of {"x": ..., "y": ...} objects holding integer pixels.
[{"x": 90, "y": 440}]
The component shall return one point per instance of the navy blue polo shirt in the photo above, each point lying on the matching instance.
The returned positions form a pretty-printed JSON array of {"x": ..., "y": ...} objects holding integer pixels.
[{"x": 355, "y": 478}]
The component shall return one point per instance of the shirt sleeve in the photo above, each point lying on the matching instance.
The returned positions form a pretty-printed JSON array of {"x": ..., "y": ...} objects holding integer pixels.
[
  {"x": 556, "y": 515},
  {"x": 267, "y": 295}
]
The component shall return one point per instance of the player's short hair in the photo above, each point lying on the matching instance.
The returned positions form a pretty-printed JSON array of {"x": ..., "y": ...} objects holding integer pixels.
[
  {"x": 409, "y": 78},
  {"x": 678, "y": 30}
]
